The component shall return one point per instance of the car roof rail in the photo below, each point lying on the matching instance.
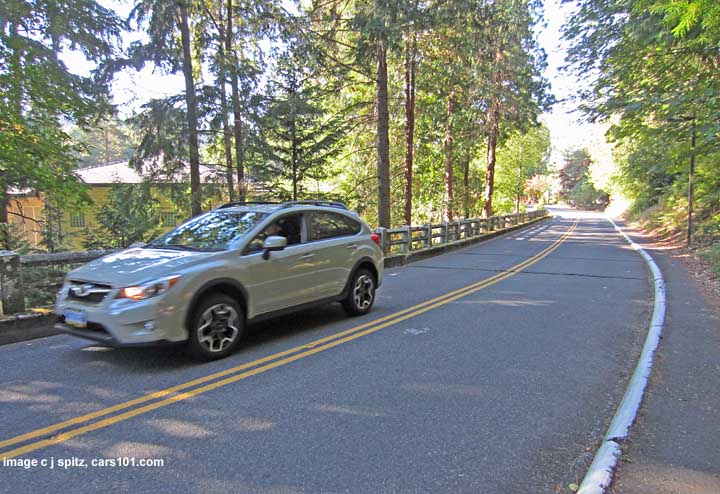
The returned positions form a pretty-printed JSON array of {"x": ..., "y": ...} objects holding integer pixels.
[
  {"x": 246, "y": 203},
  {"x": 329, "y": 204}
]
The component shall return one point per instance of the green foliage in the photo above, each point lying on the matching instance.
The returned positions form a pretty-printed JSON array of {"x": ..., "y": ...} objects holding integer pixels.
[
  {"x": 106, "y": 141},
  {"x": 522, "y": 156},
  {"x": 38, "y": 93},
  {"x": 577, "y": 187},
  {"x": 52, "y": 232},
  {"x": 131, "y": 214},
  {"x": 712, "y": 255},
  {"x": 300, "y": 136},
  {"x": 288, "y": 93},
  {"x": 455, "y": 59},
  {"x": 659, "y": 84},
  {"x": 585, "y": 196},
  {"x": 12, "y": 237}
]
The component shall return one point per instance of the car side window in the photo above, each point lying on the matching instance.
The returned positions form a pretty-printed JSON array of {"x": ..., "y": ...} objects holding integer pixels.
[
  {"x": 325, "y": 225},
  {"x": 289, "y": 226}
]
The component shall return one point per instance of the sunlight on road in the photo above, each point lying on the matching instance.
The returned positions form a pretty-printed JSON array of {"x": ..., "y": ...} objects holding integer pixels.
[{"x": 566, "y": 212}]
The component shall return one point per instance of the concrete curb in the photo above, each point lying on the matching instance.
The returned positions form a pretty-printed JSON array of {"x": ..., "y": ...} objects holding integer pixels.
[
  {"x": 600, "y": 474},
  {"x": 26, "y": 326},
  {"x": 420, "y": 254}
]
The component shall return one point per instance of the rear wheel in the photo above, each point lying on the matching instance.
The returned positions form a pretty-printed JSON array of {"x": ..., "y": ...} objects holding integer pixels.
[
  {"x": 216, "y": 327},
  {"x": 361, "y": 295}
]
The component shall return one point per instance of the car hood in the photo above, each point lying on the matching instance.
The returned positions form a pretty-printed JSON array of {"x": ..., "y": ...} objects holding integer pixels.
[{"x": 133, "y": 266}]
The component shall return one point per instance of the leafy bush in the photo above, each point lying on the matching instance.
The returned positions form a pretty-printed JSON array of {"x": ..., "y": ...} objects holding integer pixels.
[{"x": 712, "y": 255}]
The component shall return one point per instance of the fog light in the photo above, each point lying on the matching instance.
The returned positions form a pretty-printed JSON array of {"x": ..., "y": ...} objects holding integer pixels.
[{"x": 149, "y": 326}]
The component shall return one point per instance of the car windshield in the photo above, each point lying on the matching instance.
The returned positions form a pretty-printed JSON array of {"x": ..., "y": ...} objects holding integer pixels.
[{"x": 213, "y": 231}]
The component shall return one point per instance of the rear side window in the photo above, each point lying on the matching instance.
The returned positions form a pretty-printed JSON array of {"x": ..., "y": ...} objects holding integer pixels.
[{"x": 330, "y": 225}]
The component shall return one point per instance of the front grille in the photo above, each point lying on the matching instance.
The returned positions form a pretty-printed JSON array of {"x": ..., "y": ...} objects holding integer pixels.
[{"x": 89, "y": 293}]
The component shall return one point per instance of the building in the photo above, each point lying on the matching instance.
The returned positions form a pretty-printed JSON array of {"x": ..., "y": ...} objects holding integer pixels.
[{"x": 26, "y": 206}]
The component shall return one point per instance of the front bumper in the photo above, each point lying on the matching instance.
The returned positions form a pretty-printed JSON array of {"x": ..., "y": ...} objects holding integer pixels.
[
  {"x": 122, "y": 323},
  {"x": 105, "y": 338}
]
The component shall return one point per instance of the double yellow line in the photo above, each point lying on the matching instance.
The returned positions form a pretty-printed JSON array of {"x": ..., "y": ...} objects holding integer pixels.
[{"x": 217, "y": 380}]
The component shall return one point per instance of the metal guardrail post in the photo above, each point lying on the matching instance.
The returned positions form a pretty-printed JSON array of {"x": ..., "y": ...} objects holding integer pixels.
[
  {"x": 445, "y": 233},
  {"x": 428, "y": 235},
  {"x": 12, "y": 295},
  {"x": 382, "y": 232},
  {"x": 407, "y": 248}
]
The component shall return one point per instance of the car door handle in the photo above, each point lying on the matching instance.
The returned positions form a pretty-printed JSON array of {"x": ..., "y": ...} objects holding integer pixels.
[{"x": 307, "y": 256}]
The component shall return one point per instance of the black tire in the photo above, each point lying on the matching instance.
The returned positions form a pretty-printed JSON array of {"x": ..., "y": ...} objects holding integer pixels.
[
  {"x": 361, "y": 293},
  {"x": 216, "y": 327}
]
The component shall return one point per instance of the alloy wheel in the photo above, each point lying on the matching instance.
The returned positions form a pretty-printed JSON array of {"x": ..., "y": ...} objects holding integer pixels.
[{"x": 218, "y": 327}]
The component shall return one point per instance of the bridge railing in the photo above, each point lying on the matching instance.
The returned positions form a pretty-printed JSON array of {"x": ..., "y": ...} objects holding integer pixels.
[
  {"x": 34, "y": 280},
  {"x": 407, "y": 239}
]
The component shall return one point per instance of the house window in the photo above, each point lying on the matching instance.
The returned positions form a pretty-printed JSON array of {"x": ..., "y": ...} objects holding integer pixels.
[
  {"x": 77, "y": 220},
  {"x": 168, "y": 218}
]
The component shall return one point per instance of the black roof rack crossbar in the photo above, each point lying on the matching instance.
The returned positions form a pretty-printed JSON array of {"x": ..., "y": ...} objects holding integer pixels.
[
  {"x": 244, "y": 203},
  {"x": 287, "y": 204},
  {"x": 330, "y": 204}
]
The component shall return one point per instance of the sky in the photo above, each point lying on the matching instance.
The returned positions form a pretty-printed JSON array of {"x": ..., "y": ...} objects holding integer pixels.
[
  {"x": 567, "y": 128},
  {"x": 131, "y": 89}
]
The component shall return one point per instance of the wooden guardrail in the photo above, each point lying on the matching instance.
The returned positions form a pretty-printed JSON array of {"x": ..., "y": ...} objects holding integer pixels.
[{"x": 34, "y": 280}]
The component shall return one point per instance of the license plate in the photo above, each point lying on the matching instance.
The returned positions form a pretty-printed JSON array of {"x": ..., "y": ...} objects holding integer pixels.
[{"x": 75, "y": 318}]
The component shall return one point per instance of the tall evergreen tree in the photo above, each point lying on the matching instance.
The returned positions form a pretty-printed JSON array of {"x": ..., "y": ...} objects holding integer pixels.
[
  {"x": 169, "y": 46},
  {"x": 301, "y": 136}
]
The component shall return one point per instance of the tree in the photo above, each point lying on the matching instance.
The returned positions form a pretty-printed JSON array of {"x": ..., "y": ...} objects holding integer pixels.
[
  {"x": 300, "y": 136},
  {"x": 518, "y": 91},
  {"x": 411, "y": 53},
  {"x": 358, "y": 36},
  {"x": 38, "y": 93},
  {"x": 131, "y": 214},
  {"x": 106, "y": 141},
  {"x": 522, "y": 155},
  {"x": 576, "y": 184},
  {"x": 163, "y": 22},
  {"x": 52, "y": 233},
  {"x": 657, "y": 82}
]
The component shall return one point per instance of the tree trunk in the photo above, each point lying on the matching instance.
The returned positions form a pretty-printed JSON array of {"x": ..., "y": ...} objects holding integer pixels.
[
  {"x": 410, "y": 65},
  {"x": 192, "y": 121},
  {"x": 237, "y": 116},
  {"x": 448, "y": 144},
  {"x": 295, "y": 145},
  {"x": 466, "y": 185},
  {"x": 227, "y": 136},
  {"x": 491, "y": 158},
  {"x": 4, "y": 203},
  {"x": 383, "y": 138},
  {"x": 521, "y": 171},
  {"x": 494, "y": 126}
]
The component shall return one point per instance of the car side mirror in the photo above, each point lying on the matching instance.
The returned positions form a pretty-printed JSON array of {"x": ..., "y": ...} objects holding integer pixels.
[
  {"x": 137, "y": 245},
  {"x": 273, "y": 243}
]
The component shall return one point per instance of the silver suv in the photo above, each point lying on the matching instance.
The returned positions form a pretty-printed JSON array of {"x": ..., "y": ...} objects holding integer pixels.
[{"x": 205, "y": 280}]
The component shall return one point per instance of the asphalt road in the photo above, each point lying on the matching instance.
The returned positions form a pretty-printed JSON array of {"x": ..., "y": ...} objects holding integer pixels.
[{"x": 505, "y": 386}]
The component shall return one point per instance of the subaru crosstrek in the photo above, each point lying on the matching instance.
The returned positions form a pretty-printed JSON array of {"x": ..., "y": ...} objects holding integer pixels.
[{"x": 202, "y": 282}]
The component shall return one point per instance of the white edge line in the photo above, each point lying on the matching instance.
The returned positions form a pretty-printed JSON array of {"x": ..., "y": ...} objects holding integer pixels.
[{"x": 600, "y": 474}]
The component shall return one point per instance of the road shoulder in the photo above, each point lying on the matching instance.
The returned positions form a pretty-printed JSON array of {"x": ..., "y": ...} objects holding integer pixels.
[{"x": 673, "y": 446}]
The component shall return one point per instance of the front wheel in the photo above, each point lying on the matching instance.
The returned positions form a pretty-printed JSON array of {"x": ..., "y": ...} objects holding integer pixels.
[
  {"x": 361, "y": 294},
  {"x": 216, "y": 327}
]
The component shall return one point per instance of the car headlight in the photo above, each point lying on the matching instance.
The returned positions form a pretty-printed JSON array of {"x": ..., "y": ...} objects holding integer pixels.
[{"x": 150, "y": 289}]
